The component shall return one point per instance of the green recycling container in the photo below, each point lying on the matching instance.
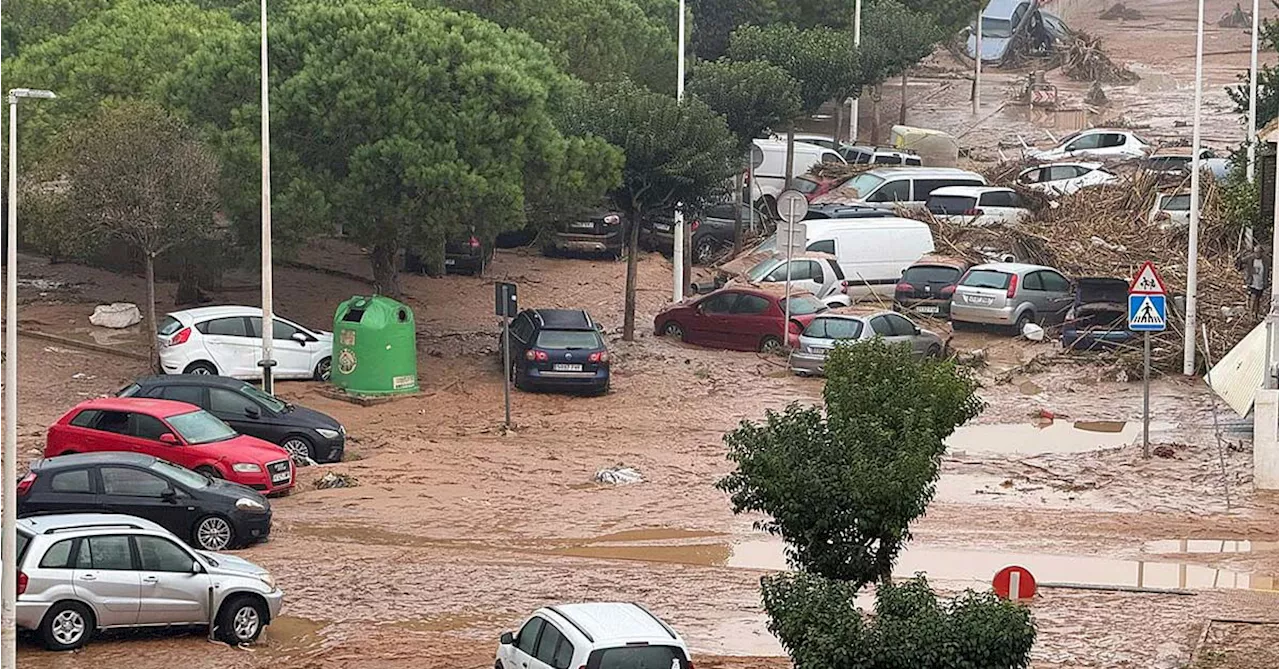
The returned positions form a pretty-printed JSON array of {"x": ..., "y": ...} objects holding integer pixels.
[{"x": 375, "y": 348}]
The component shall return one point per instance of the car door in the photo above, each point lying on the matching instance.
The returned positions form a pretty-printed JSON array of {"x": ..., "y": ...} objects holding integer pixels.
[
  {"x": 243, "y": 414},
  {"x": 710, "y": 324},
  {"x": 231, "y": 345},
  {"x": 883, "y": 327},
  {"x": 803, "y": 274},
  {"x": 66, "y": 491},
  {"x": 171, "y": 591},
  {"x": 1083, "y": 145},
  {"x": 292, "y": 355},
  {"x": 751, "y": 321},
  {"x": 525, "y": 645},
  {"x": 141, "y": 493},
  {"x": 144, "y": 433},
  {"x": 905, "y": 331},
  {"x": 554, "y": 650},
  {"x": 1059, "y": 294},
  {"x": 105, "y": 576}
]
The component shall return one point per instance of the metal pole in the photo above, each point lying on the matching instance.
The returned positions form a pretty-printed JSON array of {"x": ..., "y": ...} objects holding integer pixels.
[
  {"x": 9, "y": 469},
  {"x": 1252, "y": 137},
  {"x": 977, "y": 66},
  {"x": 1146, "y": 394},
  {"x": 268, "y": 313},
  {"x": 1274, "y": 312},
  {"x": 1193, "y": 233},
  {"x": 506, "y": 358},
  {"x": 857, "y": 42},
  {"x": 786, "y": 295},
  {"x": 751, "y": 189},
  {"x": 677, "y": 244}
]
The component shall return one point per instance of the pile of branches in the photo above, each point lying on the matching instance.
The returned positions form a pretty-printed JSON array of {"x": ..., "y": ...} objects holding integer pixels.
[
  {"x": 1084, "y": 60},
  {"x": 839, "y": 171}
]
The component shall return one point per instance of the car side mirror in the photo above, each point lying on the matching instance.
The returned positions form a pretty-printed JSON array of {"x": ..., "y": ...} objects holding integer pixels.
[
  {"x": 169, "y": 495},
  {"x": 168, "y": 438},
  {"x": 507, "y": 639},
  {"x": 917, "y": 329},
  {"x": 196, "y": 568},
  {"x": 300, "y": 338},
  {"x": 599, "y": 327},
  {"x": 252, "y": 412}
]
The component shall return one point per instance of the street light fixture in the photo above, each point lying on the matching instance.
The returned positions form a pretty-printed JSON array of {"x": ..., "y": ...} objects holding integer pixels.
[{"x": 9, "y": 412}]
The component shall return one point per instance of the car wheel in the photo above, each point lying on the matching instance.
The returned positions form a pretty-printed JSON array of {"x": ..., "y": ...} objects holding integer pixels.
[
  {"x": 934, "y": 351},
  {"x": 201, "y": 368},
  {"x": 214, "y": 533},
  {"x": 241, "y": 621},
  {"x": 1023, "y": 319},
  {"x": 297, "y": 446},
  {"x": 516, "y": 377},
  {"x": 672, "y": 329},
  {"x": 324, "y": 369},
  {"x": 211, "y": 472},
  {"x": 66, "y": 626},
  {"x": 704, "y": 250},
  {"x": 770, "y": 344}
]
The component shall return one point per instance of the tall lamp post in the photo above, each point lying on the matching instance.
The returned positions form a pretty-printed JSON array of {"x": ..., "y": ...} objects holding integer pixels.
[
  {"x": 1193, "y": 232},
  {"x": 677, "y": 244},
  {"x": 268, "y": 314},
  {"x": 9, "y": 467},
  {"x": 857, "y": 43}
]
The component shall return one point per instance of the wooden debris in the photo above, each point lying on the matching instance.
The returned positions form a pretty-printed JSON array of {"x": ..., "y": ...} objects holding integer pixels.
[{"x": 1084, "y": 60}]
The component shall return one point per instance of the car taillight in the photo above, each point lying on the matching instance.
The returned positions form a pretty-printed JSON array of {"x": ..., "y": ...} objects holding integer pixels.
[
  {"x": 947, "y": 291},
  {"x": 24, "y": 486},
  {"x": 1013, "y": 286},
  {"x": 539, "y": 356},
  {"x": 693, "y": 227},
  {"x": 22, "y": 583},
  {"x": 602, "y": 356},
  {"x": 794, "y": 327},
  {"x": 972, "y": 212},
  {"x": 904, "y": 287},
  {"x": 181, "y": 337},
  {"x": 474, "y": 243}
]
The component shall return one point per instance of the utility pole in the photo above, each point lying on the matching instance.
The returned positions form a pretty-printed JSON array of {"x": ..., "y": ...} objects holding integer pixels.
[
  {"x": 1193, "y": 233},
  {"x": 268, "y": 313},
  {"x": 977, "y": 66},
  {"x": 857, "y": 43},
  {"x": 677, "y": 244},
  {"x": 1252, "y": 137}
]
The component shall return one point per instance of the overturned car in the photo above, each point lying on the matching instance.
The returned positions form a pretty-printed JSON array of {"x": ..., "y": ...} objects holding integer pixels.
[{"x": 1098, "y": 317}]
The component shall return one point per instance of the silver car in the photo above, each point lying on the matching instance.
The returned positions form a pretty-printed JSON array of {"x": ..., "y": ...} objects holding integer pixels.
[
  {"x": 1011, "y": 294},
  {"x": 79, "y": 573},
  {"x": 826, "y": 330}
]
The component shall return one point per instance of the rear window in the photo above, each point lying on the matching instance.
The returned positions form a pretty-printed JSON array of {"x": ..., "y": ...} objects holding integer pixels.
[
  {"x": 863, "y": 184},
  {"x": 803, "y": 305},
  {"x": 168, "y": 325},
  {"x": 568, "y": 339},
  {"x": 986, "y": 278},
  {"x": 950, "y": 204},
  {"x": 23, "y": 540},
  {"x": 805, "y": 186},
  {"x": 638, "y": 657},
  {"x": 930, "y": 274},
  {"x": 834, "y": 328},
  {"x": 1177, "y": 203}
]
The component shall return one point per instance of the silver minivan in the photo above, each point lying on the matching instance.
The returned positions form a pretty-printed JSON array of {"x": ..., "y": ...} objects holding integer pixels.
[
  {"x": 79, "y": 573},
  {"x": 1011, "y": 294}
]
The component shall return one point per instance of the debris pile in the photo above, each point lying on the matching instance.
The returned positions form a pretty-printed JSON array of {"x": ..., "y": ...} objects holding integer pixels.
[
  {"x": 1236, "y": 18},
  {"x": 618, "y": 475},
  {"x": 1084, "y": 60},
  {"x": 1121, "y": 12},
  {"x": 336, "y": 480}
]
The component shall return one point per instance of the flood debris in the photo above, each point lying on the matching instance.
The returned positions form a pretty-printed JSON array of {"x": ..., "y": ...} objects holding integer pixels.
[
  {"x": 1096, "y": 96},
  {"x": 1236, "y": 18},
  {"x": 618, "y": 475},
  {"x": 116, "y": 315},
  {"x": 1084, "y": 60},
  {"x": 1121, "y": 12},
  {"x": 336, "y": 480}
]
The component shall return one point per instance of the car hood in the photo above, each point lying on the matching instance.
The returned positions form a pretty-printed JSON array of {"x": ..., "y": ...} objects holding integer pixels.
[
  {"x": 304, "y": 417},
  {"x": 244, "y": 448},
  {"x": 1091, "y": 290},
  {"x": 231, "y": 565}
]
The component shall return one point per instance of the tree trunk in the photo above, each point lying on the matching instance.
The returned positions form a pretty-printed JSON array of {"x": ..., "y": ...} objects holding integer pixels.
[
  {"x": 386, "y": 276},
  {"x": 737, "y": 213},
  {"x": 875, "y": 115},
  {"x": 633, "y": 246},
  {"x": 152, "y": 327},
  {"x": 791, "y": 157},
  {"x": 902, "y": 106}
]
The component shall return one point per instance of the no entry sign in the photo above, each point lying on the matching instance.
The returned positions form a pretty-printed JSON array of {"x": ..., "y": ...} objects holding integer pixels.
[{"x": 1015, "y": 583}]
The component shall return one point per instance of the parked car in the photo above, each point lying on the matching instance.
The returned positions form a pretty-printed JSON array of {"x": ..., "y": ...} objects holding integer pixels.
[
  {"x": 824, "y": 332},
  {"x": 817, "y": 273},
  {"x": 1171, "y": 209},
  {"x": 977, "y": 205},
  {"x": 599, "y": 635},
  {"x": 741, "y": 319},
  {"x": 710, "y": 232},
  {"x": 812, "y": 186},
  {"x": 832, "y": 210},
  {"x": 598, "y": 232},
  {"x": 175, "y": 431},
  {"x": 1098, "y": 316},
  {"x": 1011, "y": 294},
  {"x": 228, "y": 341},
  {"x": 879, "y": 155},
  {"x": 209, "y": 514},
  {"x": 298, "y": 430},
  {"x": 1176, "y": 161},
  {"x": 926, "y": 286},
  {"x": 1097, "y": 143},
  {"x": 769, "y": 176},
  {"x": 558, "y": 349},
  {"x": 892, "y": 187},
  {"x": 462, "y": 255},
  {"x": 1065, "y": 178},
  {"x": 81, "y": 573}
]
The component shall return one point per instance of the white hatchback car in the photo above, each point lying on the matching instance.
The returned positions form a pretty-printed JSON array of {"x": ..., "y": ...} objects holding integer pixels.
[
  {"x": 1097, "y": 143},
  {"x": 600, "y": 635},
  {"x": 977, "y": 205},
  {"x": 1065, "y": 178},
  {"x": 228, "y": 341}
]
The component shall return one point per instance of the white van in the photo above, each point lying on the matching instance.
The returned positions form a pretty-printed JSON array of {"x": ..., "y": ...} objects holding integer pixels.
[
  {"x": 889, "y": 187},
  {"x": 770, "y": 158},
  {"x": 872, "y": 252}
]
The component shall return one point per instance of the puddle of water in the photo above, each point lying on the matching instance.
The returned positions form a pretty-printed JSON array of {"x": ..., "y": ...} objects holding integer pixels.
[
  {"x": 1176, "y": 546},
  {"x": 1054, "y": 437}
]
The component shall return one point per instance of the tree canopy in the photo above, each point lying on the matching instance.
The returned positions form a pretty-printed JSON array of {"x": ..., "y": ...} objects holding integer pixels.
[
  {"x": 753, "y": 96},
  {"x": 822, "y": 60}
]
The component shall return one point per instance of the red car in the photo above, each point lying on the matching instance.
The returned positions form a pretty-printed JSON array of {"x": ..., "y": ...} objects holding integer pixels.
[
  {"x": 813, "y": 186},
  {"x": 743, "y": 319},
  {"x": 173, "y": 431}
]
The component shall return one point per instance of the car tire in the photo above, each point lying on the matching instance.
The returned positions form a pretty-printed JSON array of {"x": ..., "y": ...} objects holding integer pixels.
[
  {"x": 201, "y": 368},
  {"x": 66, "y": 626},
  {"x": 673, "y": 329},
  {"x": 324, "y": 370},
  {"x": 769, "y": 344},
  {"x": 704, "y": 249},
  {"x": 296, "y": 444},
  {"x": 1024, "y": 318},
  {"x": 517, "y": 379},
  {"x": 934, "y": 351},
  {"x": 213, "y": 533},
  {"x": 241, "y": 620}
]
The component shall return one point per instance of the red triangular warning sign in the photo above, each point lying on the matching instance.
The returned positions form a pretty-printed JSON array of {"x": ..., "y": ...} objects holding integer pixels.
[{"x": 1147, "y": 281}]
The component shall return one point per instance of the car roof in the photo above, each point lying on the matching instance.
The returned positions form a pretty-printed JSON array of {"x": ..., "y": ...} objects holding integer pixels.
[
  {"x": 1011, "y": 267},
  {"x": 100, "y": 458},
  {"x": 782, "y": 143},
  {"x": 161, "y": 408},
  {"x": 609, "y": 622},
  {"x": 925, "y": 172},
  {"x": 854, "y": 313},
  {"x": 67, "y": 521},
  {"x": 190, "y": 380},
  {"x": 968, "y": 191},
  {"x": 204, "y": 313},
  {"x": 818, "y": 226},
  {"x": 945, "y": 261},
  {"x": 563, "y": 319}
]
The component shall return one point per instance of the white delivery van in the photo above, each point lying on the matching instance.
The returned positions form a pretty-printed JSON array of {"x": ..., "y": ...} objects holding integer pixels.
[
  {"x": 872, "y": 252},
  {"x": 770, "y": 159}
]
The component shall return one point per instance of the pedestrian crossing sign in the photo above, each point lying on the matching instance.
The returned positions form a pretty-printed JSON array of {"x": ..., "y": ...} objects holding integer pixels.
[{"x": 1147, "y": 313}]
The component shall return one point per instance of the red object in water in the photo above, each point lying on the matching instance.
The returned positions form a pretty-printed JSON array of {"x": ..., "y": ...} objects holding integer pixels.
[
  {"x": 1002, "y": 583},
  {"x": 1046, "y": 414}
]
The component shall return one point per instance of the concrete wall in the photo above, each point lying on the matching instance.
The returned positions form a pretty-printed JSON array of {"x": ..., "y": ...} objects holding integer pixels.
[{"x": 1266, "y": 440}]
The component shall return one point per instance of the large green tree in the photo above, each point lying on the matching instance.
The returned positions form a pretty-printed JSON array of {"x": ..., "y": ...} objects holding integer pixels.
[
  {"x": 675, "y": 152},
  {"x": 1268, "y": 80},
  {"x": 28, "y": 22},
  {"x": 715, "y": 20},
  {"x": 409, "y": 125}
]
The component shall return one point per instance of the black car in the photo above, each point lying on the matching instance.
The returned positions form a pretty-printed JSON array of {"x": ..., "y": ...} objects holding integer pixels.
[
  {"x": 248, "y": 410},
  {"x": 210, "y": 514},
  {"x": 597, "y": 233},
  {"x": 558, "y": 349},
  {"x": 467, "y": 255},
  {"x": 710, "y": 232}
]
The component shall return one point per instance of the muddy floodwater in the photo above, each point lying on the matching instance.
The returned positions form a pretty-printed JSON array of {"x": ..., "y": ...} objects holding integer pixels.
[{"x": 1049, "y": 436}]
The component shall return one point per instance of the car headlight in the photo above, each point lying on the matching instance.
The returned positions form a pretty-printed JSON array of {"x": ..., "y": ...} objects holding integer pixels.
[
  {"x": 327, "y": 433},
  {"x": 246, "y": 467},
  {"x": 611, "y": 219},
  {"x": 246, "y": 504},
  {"x": 266, "y": 578}
]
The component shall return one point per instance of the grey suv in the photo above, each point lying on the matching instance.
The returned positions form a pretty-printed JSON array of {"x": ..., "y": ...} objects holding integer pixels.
[{"x": 78, "y": 573}]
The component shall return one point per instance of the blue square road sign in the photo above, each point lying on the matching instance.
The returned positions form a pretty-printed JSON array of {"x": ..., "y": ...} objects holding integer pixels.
[{"x": 1147, "y": 313}]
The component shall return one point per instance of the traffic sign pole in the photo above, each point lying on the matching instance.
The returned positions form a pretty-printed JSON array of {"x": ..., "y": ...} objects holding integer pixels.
[
  {"x": 796, "y": 209},
  {"x": 786, "y": 295},
  {"x": 1146, "y": 394},
  {"x": 1148, "y": 312}
]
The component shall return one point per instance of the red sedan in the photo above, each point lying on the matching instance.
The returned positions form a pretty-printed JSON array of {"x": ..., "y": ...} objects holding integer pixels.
[
  {"x": 742, "y": 319},
  {"x": 173, "y": 431}
]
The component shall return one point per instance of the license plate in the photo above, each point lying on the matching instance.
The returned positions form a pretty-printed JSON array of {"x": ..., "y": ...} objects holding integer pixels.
[
  {"x": 566, "y": 368},
  {"x": 583, "y": 225},
  {"x": 450, "y": 261},
  {"x": 282, "y": 477},
  {"x": 927, "y": 309},
  {"x": 661, "y": 227},
  {"x": 979, "y": 299}
]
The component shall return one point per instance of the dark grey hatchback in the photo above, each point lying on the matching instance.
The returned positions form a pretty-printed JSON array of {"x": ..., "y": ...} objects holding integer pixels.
[{"x": 558, "y": 349}]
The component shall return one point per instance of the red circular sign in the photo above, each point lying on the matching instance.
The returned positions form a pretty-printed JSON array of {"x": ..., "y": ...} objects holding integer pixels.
[{"x": 1003, "y": 583}]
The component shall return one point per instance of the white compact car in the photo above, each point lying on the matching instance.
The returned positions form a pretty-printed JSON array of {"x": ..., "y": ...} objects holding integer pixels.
[
  {"x": 1065, "y": 178},
  {"x": 600, "y": 635},
  {"x": 228, "y": 341},
  {"x": 977, "y": 205},
  {"x": 1097, "y": 143}
]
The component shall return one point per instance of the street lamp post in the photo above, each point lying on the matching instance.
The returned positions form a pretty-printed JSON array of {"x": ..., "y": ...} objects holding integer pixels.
[
  {"x": 1193, "y": 231},
  {"x": 857, "y": 43},
  {"x": 268, "y": 314},
  {"x": 677, "y": 243},
  {"x": 9, "y": 467}
]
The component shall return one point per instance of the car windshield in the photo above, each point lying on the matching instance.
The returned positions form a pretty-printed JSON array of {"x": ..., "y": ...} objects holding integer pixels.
[
  {"x": 986, "y": 278},
  {"x": 927, "y": 274},
  {"x": 1176, "y": 203},
  {"x": 805, "y": 185},
  {"x": 761, "y": 270},
  {"x": 182, "y": 475},
  {"x": 168, "y": 325},
  {"x": 276, "y": 405},
  {"x": 201, "y": 427},
  {"x": 863, "y": 184},
  {"x": 568, "y": 340},
  {"x": 803, "y": 305}
]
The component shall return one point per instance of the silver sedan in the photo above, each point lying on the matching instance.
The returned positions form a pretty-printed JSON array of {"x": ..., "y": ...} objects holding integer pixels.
[{"x": 828, "y": 329}]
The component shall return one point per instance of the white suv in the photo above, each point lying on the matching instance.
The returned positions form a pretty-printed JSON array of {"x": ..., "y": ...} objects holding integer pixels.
[
  {"x": 602, "y": 635},
  {"x": 78, "y": 573},
  {"x": 228, "y": 341}
]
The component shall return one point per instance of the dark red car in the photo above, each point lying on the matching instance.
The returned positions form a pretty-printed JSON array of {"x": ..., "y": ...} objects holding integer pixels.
[
  {"x": 813, "y": 186},
  {"x": 739, "y": 318},
  {"x": 175, "y": 431}
]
